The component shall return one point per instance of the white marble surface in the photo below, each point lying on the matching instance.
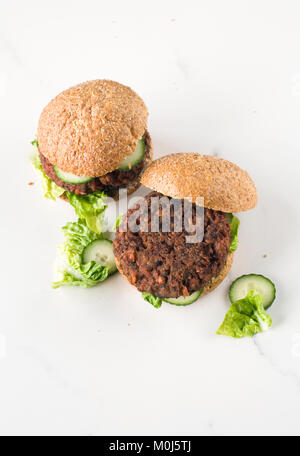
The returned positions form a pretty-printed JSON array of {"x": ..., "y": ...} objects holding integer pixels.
[{"x": 220, "y": 78}]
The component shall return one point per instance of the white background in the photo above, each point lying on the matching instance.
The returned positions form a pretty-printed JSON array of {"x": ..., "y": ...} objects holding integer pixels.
[{"x": 218, "y": 78}]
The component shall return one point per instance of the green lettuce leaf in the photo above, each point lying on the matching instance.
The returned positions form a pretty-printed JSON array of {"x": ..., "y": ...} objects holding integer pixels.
[
  {"x": 67, "y": 278},
  {"x": 234, "y": 228},
  {"x": 50, "y": 189},
  {"x": 156, "y": 302},
  {"x": 71, "y": 270},
  {"x": 89, "y": 207},
  {"x": 118, "y": 221},
  {"x": 245, "y": 317}
]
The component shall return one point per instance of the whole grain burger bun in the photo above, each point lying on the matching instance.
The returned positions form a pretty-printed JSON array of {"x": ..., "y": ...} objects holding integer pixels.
[
  {"x": 212, "y": 284},
  {"x": 223, "y": 185},
  {"x": 90, "y": 128}
]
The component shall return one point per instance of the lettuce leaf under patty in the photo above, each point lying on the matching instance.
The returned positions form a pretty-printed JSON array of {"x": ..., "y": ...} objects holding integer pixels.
[
  {"x": 70, "y": 268},
  {"x": 234, "y": 228},
  {"x": 245, "y": 317},
  {"x": 154, "y": 300},
  {"x": 50, "y": 189}
]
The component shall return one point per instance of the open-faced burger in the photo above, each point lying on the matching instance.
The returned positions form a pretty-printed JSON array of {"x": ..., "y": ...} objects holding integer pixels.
[{"x": 165, "y": 264}]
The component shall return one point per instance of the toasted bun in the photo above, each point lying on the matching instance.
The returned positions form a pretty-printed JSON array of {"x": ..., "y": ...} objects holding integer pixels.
[
  {"x": 133, "y": 186},
  {"x": 214, "y": 283},
  {"x": 223, "y": 185},
  {"x": 90, "y": 128}
]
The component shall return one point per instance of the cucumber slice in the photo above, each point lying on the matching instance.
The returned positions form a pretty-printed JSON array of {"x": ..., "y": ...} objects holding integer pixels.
[
  {"x": 241, "y": 286},
  {"x": 135, "y": 158},
  {"x": 71, "y": 178},
  {"x": 100, "y": 251},
  {"x": 184, "y": 300}
]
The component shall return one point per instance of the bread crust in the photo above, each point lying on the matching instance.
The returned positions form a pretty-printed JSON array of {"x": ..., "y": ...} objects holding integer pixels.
[
  {"x": 214, "y": 283},
  {"x": 223, "y": 185},
  {"x": 90, "y": 128}
]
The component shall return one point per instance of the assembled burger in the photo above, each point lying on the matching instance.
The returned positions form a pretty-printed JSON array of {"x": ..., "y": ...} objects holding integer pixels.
[
  {"x": 165, "y": 265},
  {"x": 92, "y": 139}
]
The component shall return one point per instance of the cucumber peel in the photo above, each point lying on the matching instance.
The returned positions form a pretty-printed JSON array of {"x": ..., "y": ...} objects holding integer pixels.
[
  {"x": 184, "y": 300},
  {"x": 257, "y": 282},
  {"x": 70, "y": 178},
  {"x": 100, "y": 251}
]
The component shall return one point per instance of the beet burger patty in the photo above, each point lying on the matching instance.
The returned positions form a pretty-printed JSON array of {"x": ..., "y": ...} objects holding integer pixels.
[
  {"x": 167, "y": 265},
  {"x": 163, "y": 263}
]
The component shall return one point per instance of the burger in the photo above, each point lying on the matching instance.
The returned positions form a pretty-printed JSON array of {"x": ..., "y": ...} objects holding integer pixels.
[
  {"x": 92, "y": 140},
  {"x": 163, "y": 264}
]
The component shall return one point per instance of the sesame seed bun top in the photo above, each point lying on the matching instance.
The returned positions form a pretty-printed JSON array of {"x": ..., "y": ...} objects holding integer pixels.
[
  {"x": 223, "y": 185},
  {"x": 90, "y": 128}
]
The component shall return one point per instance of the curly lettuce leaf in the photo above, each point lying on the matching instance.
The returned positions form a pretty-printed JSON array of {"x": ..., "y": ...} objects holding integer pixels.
[
  {"x": 67, "y": 278},
  {"x": 245, "y": 317},
  {"x": 50, "y": 189},
  {"x": 154, "y": 300},
  {"x": 71, "y": 270},
  {"x": 90, "y": 207},
  {"x": 234, "y": 228}
]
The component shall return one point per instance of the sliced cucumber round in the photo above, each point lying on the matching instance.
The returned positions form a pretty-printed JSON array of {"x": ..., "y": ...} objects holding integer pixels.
[
  {"x": 71, "y": 178},
  {"x": 264, "y": 286},
  {"x": 184, "y": 300},
  {"x": 100, "y": 251},
  {"x": 135, "y": 158}
]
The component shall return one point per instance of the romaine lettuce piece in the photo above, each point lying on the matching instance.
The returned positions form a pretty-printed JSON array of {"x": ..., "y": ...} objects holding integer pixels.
[
  {"x": 234, "y": 228},
  {"x": 156, "y": 302},
  {"x": 118, "y": 222},
  {"x": 90, "y": 207},
  {"x": 245, "y": 317},
  {"x": 71, "y": 270}
]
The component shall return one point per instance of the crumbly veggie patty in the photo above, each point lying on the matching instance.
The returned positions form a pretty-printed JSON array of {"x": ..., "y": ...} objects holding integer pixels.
[{"x": 163, "y": 263}]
